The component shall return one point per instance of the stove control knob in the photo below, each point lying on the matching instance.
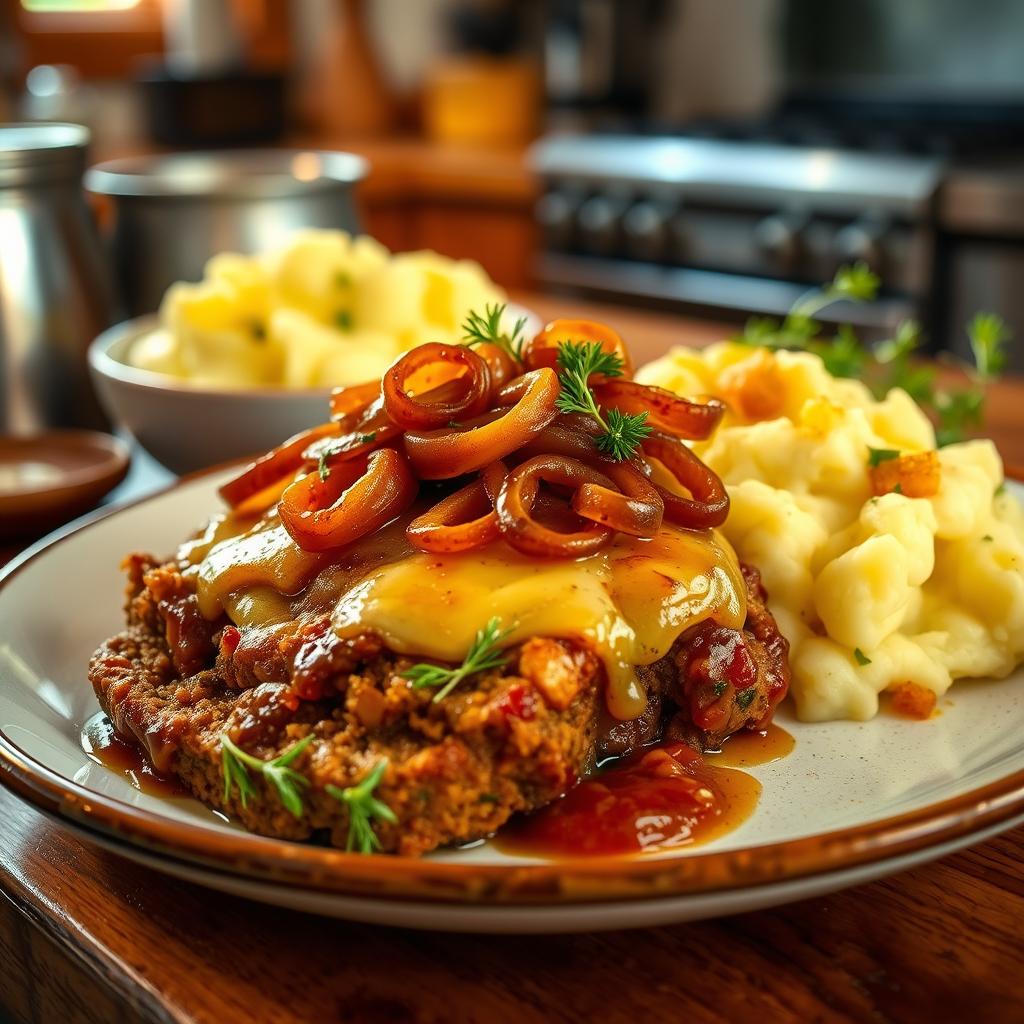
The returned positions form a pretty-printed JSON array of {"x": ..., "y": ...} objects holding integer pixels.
[
  {"x": 556, "y": 212},
  {"x": 599, "y": 222},
  {"x": 779, "y": 237},
  {"x": 646, "y": 229},
  {"x": 863, "y": 240}
]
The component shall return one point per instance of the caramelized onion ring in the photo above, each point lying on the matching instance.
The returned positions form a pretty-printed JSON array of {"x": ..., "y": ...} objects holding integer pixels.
[
  {"x": 542, "y": 350},
  {"x": 464, "y": 520},
  {"x": 424, "y": 412},
  {"x": 665, "y": 411},
  {"x": 709, "y": 505},
  {"x": 502, "y": 366},
  {"x": 519, "y": 493},
  {"x": 565, "y": 436},
  {"x": 358, "y": 497},
  {"x": 261, "y": 475},
  {"x": 348, "y": 403},
  {"x": 373, "y": 430},
  {"x": 636, "y": 508},
  {"x": 443, "y": 454}
]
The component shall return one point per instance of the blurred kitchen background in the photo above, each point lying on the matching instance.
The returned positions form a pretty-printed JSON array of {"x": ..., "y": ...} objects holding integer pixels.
[{"x": 712, "y": 157}]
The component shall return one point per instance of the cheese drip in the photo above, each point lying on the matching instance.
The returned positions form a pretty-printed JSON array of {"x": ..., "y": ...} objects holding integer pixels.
[{"x": 628, "y": 603}]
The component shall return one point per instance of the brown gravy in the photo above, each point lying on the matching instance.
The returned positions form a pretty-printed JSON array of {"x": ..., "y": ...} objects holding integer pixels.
[
  {"x": 103, "y": 745},
  {"x": 747, "y": 749}
]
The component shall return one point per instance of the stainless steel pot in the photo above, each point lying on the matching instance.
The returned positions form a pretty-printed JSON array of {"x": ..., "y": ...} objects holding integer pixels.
[
  {"x": 55, "y": 288},
  {"x": 172, "y": 213}
]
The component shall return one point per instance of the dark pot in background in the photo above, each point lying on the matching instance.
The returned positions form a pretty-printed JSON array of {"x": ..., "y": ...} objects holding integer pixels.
[{"x": 172, "y": 213}]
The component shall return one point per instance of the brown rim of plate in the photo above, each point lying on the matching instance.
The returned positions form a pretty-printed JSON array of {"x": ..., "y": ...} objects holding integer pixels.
[{"x": 569, "y": 880}]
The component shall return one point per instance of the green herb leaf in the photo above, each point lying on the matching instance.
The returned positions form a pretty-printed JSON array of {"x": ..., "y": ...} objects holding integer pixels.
[
  {"x": 483, "y": 654},
  {"x": 861, "y": 657},
  {"x": 957, "y": 411},
  {"x": 988, "y": 335},
  {"x": 363, "y": 808},
  {"x": 479, "y": 329},
  {"x": 489, "y": 798},
  {"x": 329, "y": 451},
  {"x": 235, "y": 764},
  {"x": 988, "y": 537},
  {"x": 746, "y": 697},
  {"x": 719, "y": 687},
  {"x": 621, "y": 433},
  {"x": 857, "y": 282},
  {"x": 343, "y": 320},
  {"x": 898, "y": 489},
  {"x": 901, "y": 345},
  {"x": 876, "y": 456},
  {"x": 844, "y": 356}
]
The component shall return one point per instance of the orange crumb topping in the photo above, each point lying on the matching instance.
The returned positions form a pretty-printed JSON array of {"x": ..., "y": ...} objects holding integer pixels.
[
  {"x": 916, "y": 476},
  {"x": 913, "y": 700},
  {"x": 755, "y": 388}
]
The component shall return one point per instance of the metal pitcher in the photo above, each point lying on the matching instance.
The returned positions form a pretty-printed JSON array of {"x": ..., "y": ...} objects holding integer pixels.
[
  {"x": 56, "y": 293},
  {"x": 172, "y": 213}
]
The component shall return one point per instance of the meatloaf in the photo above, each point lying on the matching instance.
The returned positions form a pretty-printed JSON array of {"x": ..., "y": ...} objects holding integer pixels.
[{"x": 505, "y": 741}]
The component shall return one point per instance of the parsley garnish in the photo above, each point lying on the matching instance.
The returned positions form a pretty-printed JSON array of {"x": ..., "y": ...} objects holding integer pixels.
[
  {"x": 479, "y": 329},
  {"x": 483, "y": 653},
  {"x": 799, "y": 329},
  {"x": 719, "y": 687},
  {"x": 988, "y": 537},
  {"x": 876, "y": 456},
  {"x": 890, "y": 365},
  {"x": 746, "y": 697},
  {"x": 621, "y": 432},
  {"x": 363, "y": 808},
  {"x": 235, "y": 764},
  {"x": 343, "y": 320},
  {"x": 861, "y": 657}
]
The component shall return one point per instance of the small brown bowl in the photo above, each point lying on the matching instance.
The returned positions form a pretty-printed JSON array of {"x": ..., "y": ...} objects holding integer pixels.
[{"x": 48, "y": 479}]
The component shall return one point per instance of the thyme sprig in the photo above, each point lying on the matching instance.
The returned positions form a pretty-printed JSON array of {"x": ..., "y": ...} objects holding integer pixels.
[
  {"x": 578, "y": 361},
  {"x": 484, "y": 653},
  {"x": 363, "y": 809},
  {"x": 236, "y": 763},
  {"x": 479, "y": 329},
  {"x": 891, "y": 363}
]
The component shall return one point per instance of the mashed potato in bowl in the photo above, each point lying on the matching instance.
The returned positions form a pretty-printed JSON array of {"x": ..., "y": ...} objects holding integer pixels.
[
  {"x": 328, "y": 309},
  {"x": 875, "y": 588}
]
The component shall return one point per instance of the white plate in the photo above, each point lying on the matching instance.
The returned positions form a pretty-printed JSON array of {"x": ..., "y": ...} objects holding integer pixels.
[{"x": 852, "y": 802}]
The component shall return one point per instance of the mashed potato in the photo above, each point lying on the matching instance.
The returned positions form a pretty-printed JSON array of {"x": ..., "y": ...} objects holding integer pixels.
[
  {"x": 328, "y": 309},
  {"x": 873, "y": 592}
]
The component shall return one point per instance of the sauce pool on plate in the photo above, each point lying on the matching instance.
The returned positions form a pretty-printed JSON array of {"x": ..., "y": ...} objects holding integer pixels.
[
  {"x": 661, "y": 798},
  {"x": 102, "y": 745}
]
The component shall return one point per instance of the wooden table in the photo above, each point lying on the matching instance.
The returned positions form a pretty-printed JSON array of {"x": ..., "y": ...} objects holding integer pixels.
[{"x": 89, "y": 938}]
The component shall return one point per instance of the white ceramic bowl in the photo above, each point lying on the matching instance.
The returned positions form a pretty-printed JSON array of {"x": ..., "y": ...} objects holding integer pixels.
[{"x": 189, "y": 426}]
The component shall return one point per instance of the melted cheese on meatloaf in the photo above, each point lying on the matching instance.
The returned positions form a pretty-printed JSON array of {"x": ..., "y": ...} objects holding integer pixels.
[{"x": 629, "y": 602}]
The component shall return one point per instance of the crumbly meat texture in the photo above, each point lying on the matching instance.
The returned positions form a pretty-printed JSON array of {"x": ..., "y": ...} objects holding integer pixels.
[{"x": 507, "y": 741}]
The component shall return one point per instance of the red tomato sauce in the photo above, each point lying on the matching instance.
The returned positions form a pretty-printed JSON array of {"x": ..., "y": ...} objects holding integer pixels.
[{"x": 660, "y": 798}]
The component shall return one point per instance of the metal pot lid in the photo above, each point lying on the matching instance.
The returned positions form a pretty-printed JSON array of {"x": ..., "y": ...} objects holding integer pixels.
[
  {"x": 238, "y": 174},
  {"x": 34, "y": 152}
]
